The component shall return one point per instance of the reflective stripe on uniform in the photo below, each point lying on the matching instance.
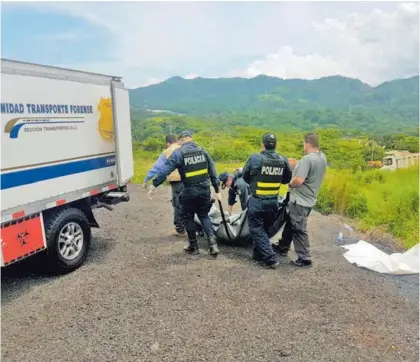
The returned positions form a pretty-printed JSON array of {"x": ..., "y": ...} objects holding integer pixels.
[
  {"x": 196, "y": 173},
  {"x": 194, "y": 166},
  {"x": 267, "y": 192},
  {"x": 268, "y": 184}
]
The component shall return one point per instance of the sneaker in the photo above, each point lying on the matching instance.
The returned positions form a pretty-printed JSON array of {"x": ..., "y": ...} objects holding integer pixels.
[
  {"x": 214, "y": 250},
  {"x": 175, "y": 232},
  {"x": 301, "y": 263}
]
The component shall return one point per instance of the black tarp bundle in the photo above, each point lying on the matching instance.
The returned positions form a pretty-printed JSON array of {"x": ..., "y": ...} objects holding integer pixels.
[{"x": 235, "y": 228}]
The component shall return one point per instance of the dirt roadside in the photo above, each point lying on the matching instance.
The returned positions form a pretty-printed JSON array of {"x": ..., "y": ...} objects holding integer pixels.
[{"x": 140, "y": 298}]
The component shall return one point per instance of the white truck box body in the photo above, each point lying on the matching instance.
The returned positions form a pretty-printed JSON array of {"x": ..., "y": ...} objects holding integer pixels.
[{"x": 64, "y": 133}]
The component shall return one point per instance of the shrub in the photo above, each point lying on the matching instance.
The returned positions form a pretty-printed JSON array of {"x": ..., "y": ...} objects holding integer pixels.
[
  {"x": 325, "y": 202},
  {"x": 389, "y": 200},
  {"x": 356, "y": 206}
]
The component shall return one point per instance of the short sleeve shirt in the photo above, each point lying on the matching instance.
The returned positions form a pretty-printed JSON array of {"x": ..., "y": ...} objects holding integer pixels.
[{"x": 312, "y": 169}]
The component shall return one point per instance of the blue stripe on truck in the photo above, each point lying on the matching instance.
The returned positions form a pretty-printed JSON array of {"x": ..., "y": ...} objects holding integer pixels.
[{"x": 26, "y": 177}]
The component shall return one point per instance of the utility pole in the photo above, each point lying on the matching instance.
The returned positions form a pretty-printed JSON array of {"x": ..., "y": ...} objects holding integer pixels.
[{"x": 371, "y": 143}]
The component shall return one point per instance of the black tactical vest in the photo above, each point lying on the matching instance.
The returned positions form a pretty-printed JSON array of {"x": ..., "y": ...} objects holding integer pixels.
[
  {"x": 194, "y": 167},
  {"x": 266, "y": 184}
]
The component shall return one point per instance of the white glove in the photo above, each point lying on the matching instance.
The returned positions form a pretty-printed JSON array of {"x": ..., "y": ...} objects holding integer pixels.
[
  {"x": 219, "y": 196},
  {"x": 151, "y": 191}
]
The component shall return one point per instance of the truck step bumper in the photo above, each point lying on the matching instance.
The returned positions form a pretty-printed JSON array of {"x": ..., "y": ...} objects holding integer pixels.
[
  {"x": 124, "y": 196},
  {"x": 111, "y": 198}
]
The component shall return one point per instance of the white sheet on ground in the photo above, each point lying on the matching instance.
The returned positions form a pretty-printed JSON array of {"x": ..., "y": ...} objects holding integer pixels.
[{"x": 368, "y": 256}]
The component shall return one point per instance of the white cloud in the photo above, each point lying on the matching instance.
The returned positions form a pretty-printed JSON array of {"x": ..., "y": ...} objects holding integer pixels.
[
  {"x": 191, "y": 76},
  {"x": 374, "y": 47},
  {"x": 150, "y": 41},
  {"x": 286, "y": 64}
]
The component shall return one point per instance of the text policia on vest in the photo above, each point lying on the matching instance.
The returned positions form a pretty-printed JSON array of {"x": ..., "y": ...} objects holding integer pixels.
[
  {"x": 194, "y": 160},
  {"x": 272, "y": 171}
]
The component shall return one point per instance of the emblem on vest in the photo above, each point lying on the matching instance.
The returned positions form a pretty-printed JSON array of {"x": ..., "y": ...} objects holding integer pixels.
[
  {"x": 272, "y": 171},
  {"x": 193, "y": 160}
]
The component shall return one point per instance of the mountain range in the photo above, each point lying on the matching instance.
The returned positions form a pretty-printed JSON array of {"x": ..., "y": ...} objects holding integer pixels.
[
  {"x": 269, "y": 93},
  {"x": 394, "y": 100}
]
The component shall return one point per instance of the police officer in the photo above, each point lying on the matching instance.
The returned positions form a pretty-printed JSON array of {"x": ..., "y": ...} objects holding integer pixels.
[
  {"x": 237, "y": 187},
  {"x": 197, "y": 171},
  {"x": 264, "y": 172}
]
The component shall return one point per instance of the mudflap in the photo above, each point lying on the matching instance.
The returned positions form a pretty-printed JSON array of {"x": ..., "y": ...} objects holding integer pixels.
[
  {"x": 22, "y": 238},
  {"x": 85, "y": 206},
  {"x": 92, "y": 221}
]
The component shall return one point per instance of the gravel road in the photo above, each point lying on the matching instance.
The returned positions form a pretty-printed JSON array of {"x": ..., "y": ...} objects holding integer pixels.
[{"x": 138, "y": 297}]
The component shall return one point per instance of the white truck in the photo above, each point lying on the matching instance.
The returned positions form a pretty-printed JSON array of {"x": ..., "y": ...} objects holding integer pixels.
[
  {"x": 65, "y": 149},
  {"x": 395, "y": 160}
]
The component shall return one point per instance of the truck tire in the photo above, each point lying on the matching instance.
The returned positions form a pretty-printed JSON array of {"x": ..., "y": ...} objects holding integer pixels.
[{"x": 68, "y": 237}]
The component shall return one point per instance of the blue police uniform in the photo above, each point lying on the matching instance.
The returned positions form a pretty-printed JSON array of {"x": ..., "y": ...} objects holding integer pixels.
[
  {"x": 197, "y": 171},
  {"x": 265, "y": 172},
  {"x": 238, "y": 188}
]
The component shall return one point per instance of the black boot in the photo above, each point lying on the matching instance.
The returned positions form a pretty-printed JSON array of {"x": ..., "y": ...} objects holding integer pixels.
[
  {"x": 302, "y": 263},
  {"x": 214, "y": 250},
  {"x": 192, "y": 247},
  {"x": 280, "y": 250}
]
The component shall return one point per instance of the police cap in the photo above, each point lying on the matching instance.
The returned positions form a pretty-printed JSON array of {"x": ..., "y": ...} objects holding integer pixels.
[
  {"x": 269, "y": 139},
  {"x": 223, "y": 177},
  {"x": 185, "y": 134}
]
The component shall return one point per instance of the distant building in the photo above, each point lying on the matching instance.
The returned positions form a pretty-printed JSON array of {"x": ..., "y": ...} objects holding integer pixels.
[
  {"x": 374, "y": 164},
  {"x": 395, "y": 160},
  {"x": 164, "y": 111}
]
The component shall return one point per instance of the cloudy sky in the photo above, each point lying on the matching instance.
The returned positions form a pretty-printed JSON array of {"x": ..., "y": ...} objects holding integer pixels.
[{"x": 147, "y": 42}]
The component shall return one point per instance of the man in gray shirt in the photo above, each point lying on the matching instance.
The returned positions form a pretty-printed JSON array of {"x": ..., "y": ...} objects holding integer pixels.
[{"x": 304, "y": 187}]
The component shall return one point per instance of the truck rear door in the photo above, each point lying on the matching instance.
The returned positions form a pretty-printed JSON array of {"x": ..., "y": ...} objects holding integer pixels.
[{"x": 122, "y": 131}]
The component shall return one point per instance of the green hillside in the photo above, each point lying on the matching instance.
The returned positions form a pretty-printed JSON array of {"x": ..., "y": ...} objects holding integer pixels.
[{"x": 290, "y": 104}]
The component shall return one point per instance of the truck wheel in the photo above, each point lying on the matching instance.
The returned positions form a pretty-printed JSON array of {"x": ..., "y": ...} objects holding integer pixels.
[{"x": 68, "y": 238}]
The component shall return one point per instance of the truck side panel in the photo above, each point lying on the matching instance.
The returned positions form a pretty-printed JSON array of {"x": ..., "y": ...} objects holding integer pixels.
[{"x": 57, "y": 137}]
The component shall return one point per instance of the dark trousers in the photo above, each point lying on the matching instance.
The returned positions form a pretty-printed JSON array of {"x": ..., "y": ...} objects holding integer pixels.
[
  {"x": 196, "y": 200},
  {"x": 261, "y": 215},
  {"x": 296, "y": 230},
  {"x": 176, "y": 191}
]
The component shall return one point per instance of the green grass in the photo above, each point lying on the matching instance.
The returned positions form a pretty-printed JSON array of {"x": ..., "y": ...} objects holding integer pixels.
[
  {"x": 143, "y": 162},
  {"x": 376, "y": 199}
]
